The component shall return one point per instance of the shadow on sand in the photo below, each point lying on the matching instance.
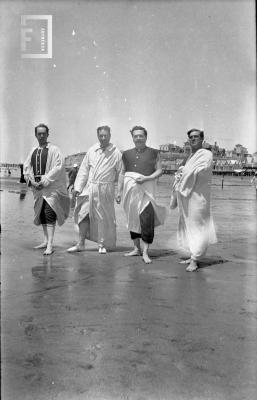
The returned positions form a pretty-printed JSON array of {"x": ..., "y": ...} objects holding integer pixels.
[{"x": 208, "y": 261}]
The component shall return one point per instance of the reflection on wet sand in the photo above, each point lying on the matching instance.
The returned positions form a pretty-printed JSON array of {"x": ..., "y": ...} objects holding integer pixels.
[{"x": 92, "y": 327}]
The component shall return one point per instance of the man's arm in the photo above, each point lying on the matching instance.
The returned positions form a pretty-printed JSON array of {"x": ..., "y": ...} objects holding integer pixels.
[
  {"x": 82, "y": 176},
  {"x": 120, "y": 184},
  {"x": 28, "y": 172},
  {"x": 156, "y": 174}
]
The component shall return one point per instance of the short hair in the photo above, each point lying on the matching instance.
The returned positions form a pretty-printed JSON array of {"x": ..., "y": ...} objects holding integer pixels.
[
  {"x": 103, "y": 128},
  {"x": 41, "y": 126},
  {"x": 138, "y": 128},
  {"x": 196, "y": 130}
]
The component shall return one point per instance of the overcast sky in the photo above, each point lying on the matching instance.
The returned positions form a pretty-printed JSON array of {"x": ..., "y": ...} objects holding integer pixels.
[{"x": 166, "y": 65}]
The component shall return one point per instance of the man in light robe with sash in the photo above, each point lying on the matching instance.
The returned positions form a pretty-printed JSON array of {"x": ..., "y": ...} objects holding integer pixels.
[
  {"x": 44, "y": 172},
  {"x": 193, "y": 189},
  {"x": 141, "y": 169},
  {"x": 94, "y": 188}
]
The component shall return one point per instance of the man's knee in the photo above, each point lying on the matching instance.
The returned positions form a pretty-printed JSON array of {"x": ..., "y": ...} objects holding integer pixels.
[
  {"x": 47, "y": 214},
  {"x": 135, "y": 235}
]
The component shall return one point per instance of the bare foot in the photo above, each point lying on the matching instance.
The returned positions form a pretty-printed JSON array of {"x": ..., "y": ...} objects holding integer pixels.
[
  {"x": 135, "y": 252},
  {"x": 41, "y": 246},
  {"x": 48, "y": 251},
  {"x": 146, "y": 258},
  {"x": 185, "y": 261},
  {"x": 76, "y": 248},
  {"x": 192, "y": 266}
]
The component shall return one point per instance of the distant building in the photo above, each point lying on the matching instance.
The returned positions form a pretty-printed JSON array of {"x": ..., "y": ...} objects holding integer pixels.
[
  {"x": 217, "y": 151},
  {"x": 187, "y": 148},
  {"x": 74, "y": 159},
  {"x": 172, "y": 148},
  {"x": 240, "y": 152},
  {"x": 165, "y": 147},
  {"x": 229, "y": 153},
  {"x": 224, "y": 161},
  {"x": 254, "y": 157}
]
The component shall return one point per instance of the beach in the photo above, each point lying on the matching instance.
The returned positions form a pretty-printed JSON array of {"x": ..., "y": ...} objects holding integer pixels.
[{"x": 86, "y": 326}]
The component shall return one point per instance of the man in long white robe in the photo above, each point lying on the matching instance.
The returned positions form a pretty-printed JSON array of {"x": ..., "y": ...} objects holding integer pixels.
[
  {"x": 196, "y": 228},
  {"x": 44, "y": 171},
  {"x": 95, "y": 191}
]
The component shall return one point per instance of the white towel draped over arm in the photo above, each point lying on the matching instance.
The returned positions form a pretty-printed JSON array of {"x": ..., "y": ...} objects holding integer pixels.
[
  {"x": 200, "y": 162},
  {"x": 54, "y": 166}
]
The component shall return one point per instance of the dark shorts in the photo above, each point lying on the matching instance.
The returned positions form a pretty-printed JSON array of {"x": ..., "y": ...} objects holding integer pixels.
[
  {"x": 147, "y": 225},
  {"x": 47, "y": 215}
]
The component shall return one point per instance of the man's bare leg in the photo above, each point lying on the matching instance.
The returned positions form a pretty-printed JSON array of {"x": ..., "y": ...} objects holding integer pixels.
[
  {"x": 44, "y": 244},
  {"x": 192, "y": 266},
  {"x": 146, "y": 257},
  {"x": 83, "y": 231},
  {"x": 84, "y": 227},
  {"x": 137, "y": 249},
  {"x": 50, "y": 231}
]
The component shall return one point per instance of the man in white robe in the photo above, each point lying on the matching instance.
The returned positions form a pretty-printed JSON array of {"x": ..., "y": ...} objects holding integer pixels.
[
  {"x": 94, "y": 188},
  {"x": 193, "y": 188},
  {"x": 44, "y": 172}
]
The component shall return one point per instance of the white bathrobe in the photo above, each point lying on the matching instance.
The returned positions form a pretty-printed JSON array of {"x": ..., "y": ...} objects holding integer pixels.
[
  {"x": 135, "y": 199},
  {"x": 96, "y": 184},
  {"x": 196, "y": 228},
  {"x": 54, "y": 191}
]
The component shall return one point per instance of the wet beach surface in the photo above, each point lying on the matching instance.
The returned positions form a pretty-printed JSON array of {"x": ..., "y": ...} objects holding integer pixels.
[{"x": 104, "y": 327}]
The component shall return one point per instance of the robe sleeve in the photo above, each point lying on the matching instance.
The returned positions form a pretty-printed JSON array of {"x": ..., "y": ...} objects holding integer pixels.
[
  {"x": 27, "y": 168},
  {"x": 119, "y": 163},
  {"x": 82, "y": 176}
]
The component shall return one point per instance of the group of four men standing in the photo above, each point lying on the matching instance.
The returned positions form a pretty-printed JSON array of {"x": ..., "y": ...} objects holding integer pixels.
[{"x": 137, "y": 171}]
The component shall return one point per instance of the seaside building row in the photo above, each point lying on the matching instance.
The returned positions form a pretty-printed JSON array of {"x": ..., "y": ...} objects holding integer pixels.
[{"x": 233, "y": 162}]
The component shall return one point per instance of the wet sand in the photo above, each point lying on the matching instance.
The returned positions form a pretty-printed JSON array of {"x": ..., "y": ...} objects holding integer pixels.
[{"x": 92, "y": 327}]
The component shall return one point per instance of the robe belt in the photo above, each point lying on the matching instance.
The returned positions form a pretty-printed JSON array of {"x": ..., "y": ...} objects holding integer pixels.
[{"x": 37, "y": 178}]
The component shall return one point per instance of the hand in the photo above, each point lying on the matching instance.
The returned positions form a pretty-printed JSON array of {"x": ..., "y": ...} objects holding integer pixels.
[
  {"x": 76, "y": 193},
  {"x": 141, "y": 179},
  {"x": 178, "y": 175},
  {"x": 118, "y": 198},
  {"x": 39, "y": 186},
  {"x": 33, "y": 184}
]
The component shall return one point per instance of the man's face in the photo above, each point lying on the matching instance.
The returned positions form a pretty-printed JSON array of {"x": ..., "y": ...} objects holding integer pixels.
[
  {"x": 104, "y": 137},
  {"x": 42, "y": 135},
  {"x": 195, "y": 140},
  {"x": 139, "y": 138}
]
